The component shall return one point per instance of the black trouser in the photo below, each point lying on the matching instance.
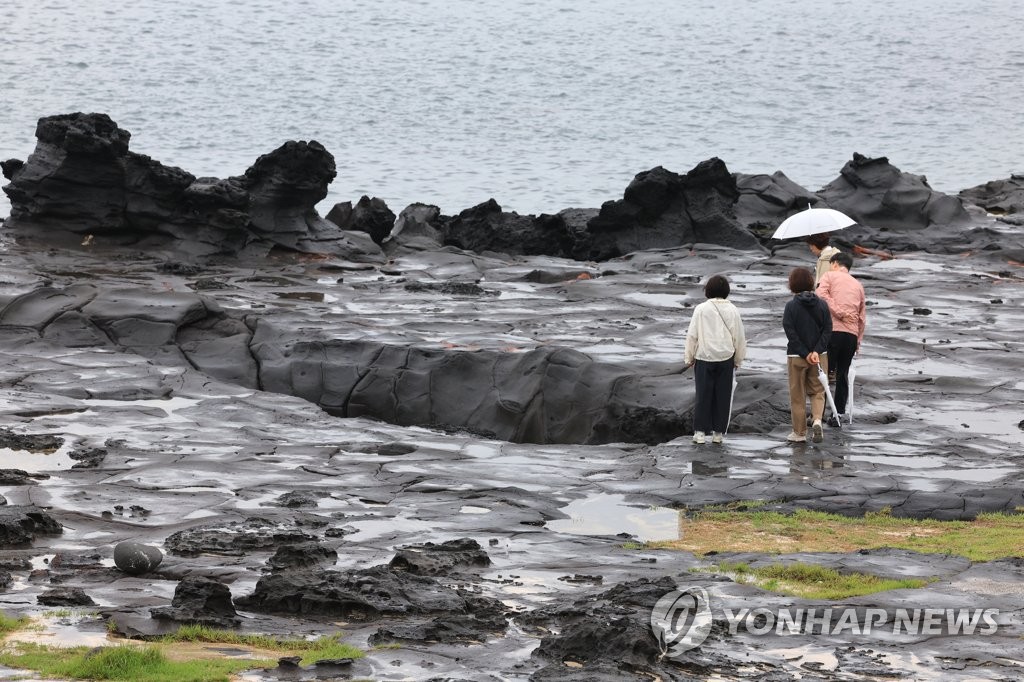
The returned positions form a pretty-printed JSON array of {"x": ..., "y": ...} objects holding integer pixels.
[
  {"x": 840, "y": 354},
  {"x": 714, "y": 393}
]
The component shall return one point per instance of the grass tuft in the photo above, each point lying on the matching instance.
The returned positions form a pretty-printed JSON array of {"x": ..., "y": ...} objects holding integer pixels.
[
  {"x": 812, "y": 581},
  {"x": 121, "y": 664},
  {"x": 988, "y": 537}
]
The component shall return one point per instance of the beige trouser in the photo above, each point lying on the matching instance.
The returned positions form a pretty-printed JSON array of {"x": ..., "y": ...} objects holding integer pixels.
[{"x": 803, "y": 383}]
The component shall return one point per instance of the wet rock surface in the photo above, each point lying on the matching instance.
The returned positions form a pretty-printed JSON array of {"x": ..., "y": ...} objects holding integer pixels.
[{"x": 206, "y": 401}]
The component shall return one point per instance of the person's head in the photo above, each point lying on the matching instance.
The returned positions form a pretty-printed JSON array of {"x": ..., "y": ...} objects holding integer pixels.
[
  {"x": 717, "y": 287},
  {"x": 801, "y": 280},
  {"x": 841, "y": 260},
  {"x": 817, "y": 242}
]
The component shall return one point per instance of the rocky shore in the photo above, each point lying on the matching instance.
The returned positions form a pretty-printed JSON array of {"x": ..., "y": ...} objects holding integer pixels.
[{"x": 381, "y": 423}]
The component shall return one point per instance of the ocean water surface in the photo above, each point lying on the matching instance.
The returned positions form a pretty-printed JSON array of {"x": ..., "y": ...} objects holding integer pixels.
[{"x": 542, "y": 105}]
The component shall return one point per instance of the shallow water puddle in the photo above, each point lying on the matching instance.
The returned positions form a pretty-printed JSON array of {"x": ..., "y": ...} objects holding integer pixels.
[
  {"x": 36, "y": 462},
  {"x": 609, "y": 515}
]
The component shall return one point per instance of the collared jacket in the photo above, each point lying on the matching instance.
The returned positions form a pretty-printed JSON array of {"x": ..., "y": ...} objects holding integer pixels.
[
  {"x": 715, "y": 333},
  {"x": 845, "y": 298},
  {"x": 824, "y": 263},
  {"x": 808, "y": 325}
]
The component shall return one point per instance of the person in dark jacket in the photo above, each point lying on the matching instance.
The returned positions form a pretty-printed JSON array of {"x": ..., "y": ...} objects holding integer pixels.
[{"x": 808, "y": 325}]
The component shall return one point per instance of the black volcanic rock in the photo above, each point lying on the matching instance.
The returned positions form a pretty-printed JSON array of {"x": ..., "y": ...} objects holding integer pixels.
[
  {"x": 359, "y": 595},
  {"x": 877, "y": 194},
  {"x": 662, "y": 209},
  {"x": 766, "y": 200},
  {"x": 418, "y": 227},
  {"x": 19, "y": 525},
  {"x": 368, "y": 215},
  {"x": 999, "y": 197},
  {"x": 83, "y": 185},
  {"x": 546, "y": 395},
  {"x": 235, "y": 538},
  {"x": 301, "y": 555},
  {"x": 485, "y": 227},
  {"x": 200, "y": 600},
  {"x": 432, "y": 559},
  {"x": 65, "y": 596}
]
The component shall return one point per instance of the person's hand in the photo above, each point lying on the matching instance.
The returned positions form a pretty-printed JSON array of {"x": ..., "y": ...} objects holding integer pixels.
[{"x": 812, "y": 358}]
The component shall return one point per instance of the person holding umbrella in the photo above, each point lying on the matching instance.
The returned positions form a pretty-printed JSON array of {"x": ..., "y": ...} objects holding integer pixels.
[
  {"x": 715, "y": 345},
  {"x": 808, "y": 326},
  {"x": 820, "y": 247},
  {"x": 814, "y": 224},
  {"x": 845, "y": 298}
]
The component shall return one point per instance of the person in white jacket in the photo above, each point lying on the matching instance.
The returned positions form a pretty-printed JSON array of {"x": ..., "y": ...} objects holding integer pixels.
[{"x": 715, "y": 345}]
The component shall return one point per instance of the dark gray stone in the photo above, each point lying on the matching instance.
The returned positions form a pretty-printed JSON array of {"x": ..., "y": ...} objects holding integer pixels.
[
  {"x": 440, "y": 559},
  {"x": 135, "y": 558},
  {"x": 200, "y": 600},
  {"x": 65, "y": 596}
]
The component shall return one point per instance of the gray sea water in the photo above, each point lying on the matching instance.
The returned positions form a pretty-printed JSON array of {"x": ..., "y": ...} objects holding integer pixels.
[{"x": 542, "y": 105}]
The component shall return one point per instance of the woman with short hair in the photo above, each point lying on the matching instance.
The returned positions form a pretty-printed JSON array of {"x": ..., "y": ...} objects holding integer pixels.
[
  {"x": 715, "y": 345},
  {"x": 808, "y": 325},
  {"x": 819, "y": 246}
]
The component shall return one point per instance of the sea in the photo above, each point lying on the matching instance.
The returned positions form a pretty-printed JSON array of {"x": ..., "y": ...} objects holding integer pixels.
[{"x": 541, "y": 105}]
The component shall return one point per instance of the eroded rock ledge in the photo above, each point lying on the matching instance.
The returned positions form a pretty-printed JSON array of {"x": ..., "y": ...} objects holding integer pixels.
[{"x": 82, "y": 185}]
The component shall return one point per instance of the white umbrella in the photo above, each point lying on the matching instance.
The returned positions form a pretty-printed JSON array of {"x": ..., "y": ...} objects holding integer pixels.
[
  {"x": 850, "y": 376},
  {"x": 731, "y": 396},
  {"x": 812, "y": 221},
  {"x": 823, "y": 378}
]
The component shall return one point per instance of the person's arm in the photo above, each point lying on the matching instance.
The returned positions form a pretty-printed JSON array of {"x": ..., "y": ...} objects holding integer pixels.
[
  {"x": 821, "y": 345},
  {"x": 862, "y": 320},
  {"x": 789, "y": 324},
  {"x": 739, "y": 340},
  {"x": 690, "y": 351}
]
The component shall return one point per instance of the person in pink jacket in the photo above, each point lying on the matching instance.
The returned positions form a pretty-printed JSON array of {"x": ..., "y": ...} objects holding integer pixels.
[{"x": 845, "y": 298}]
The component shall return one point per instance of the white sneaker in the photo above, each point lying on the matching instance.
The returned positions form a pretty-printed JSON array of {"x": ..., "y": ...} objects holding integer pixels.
[
  {"x": 795, "y": 437},
  {"x": 716, "y": 437},
  {"x": 698, "y": 437},
  {"x": 817, "y": 434}
]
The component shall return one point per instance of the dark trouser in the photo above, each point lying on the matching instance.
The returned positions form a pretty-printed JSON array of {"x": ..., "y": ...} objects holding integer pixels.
[
  {"x": 840, "y": 354},
  {"x": 714, "y": 393}
]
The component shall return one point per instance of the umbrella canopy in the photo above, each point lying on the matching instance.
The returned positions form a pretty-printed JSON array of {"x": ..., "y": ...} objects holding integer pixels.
[{"x": 812, "y": 221}]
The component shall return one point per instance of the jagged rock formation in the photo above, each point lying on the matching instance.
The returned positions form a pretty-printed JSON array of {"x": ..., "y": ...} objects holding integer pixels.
[
  {"x": 999, "y": 197},
  {"x": 83, "y": 185},
  {"x": 877, "y": 194},
  {"x": 486, "y": 227},
  {"x": 766, "y": 200},
  {"x": 662, "y": 209},
  {"x": 371, "y": 216}
]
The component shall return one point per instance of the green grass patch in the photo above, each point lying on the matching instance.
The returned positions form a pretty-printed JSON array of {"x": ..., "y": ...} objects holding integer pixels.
[
  {"x": 811, "y": 581},
  {"x": 989, "y": 536},
  {"x": 122, "y": 664},
  {"x": 8, "y": 624},
  {"x": 312, "y": 650},
  {"x": 169, "y": 659}
]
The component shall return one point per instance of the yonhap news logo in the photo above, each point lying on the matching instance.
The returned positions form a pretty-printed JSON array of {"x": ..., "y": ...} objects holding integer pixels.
[{"x": 681, "y": 620}]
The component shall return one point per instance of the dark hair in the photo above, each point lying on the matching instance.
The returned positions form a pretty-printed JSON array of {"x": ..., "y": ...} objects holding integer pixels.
[
  {"x": 819, "y": 240},
  {"x": 717, "y": 287},
  {"x": 800, "y": 280},
  {"x": 843, "y": 258}
]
